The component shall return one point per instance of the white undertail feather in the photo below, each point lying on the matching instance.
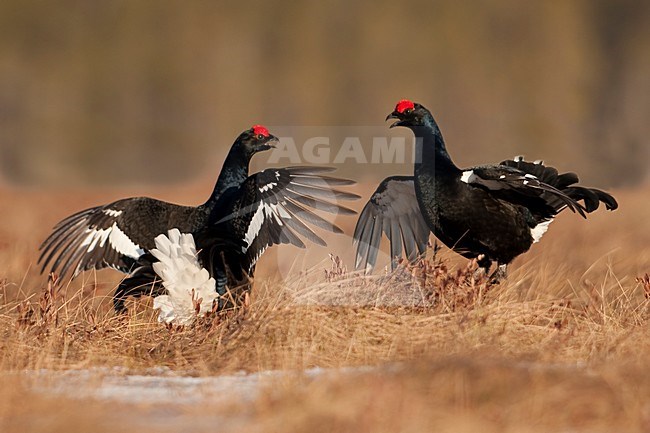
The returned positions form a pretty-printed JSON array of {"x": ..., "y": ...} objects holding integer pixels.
[
  {"x": 468, "y": 176},
  {"x": 538, "y": 231},
  {"x": 185, "y": 280}
]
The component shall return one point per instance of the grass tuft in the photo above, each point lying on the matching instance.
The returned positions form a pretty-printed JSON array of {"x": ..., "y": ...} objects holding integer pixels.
[{"x": 561, "y": 345}]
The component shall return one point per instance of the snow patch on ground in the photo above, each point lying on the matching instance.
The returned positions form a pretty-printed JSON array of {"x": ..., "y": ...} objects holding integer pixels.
[
  {"x": 161, "y": 400},
  {"x": 164, "y": 401},
  {"x": 163, "y": 387}
]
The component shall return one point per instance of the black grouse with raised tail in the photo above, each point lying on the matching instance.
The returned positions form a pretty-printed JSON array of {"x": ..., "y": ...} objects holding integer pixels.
[{"x": 490, "y": 212}]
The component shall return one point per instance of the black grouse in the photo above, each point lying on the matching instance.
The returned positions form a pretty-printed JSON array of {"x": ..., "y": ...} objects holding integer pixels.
[
  {"x": 491, "y": 212},
  {"x": 227, "y": 228},
  {"x": 267, "y": 209}
]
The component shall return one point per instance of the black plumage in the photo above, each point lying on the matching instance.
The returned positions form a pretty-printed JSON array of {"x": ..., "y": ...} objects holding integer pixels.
[
  {"x": 271, "y": 207},
  {"x": 490, "y": 212},
  {"x": 121, "y": 234},
  {"x": 115, "y": 235},
  {"x": 394, "y": 211}
]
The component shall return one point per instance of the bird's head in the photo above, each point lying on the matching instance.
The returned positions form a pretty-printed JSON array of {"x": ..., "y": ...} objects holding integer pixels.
[
  {"x": 256, "y": 139},
  {"x": 409, "y": 114}
]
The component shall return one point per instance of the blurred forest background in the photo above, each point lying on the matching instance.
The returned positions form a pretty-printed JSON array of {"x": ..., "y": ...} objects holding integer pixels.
[{"x": 96, "y": 92}]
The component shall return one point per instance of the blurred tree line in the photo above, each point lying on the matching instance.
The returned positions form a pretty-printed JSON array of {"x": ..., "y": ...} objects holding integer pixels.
[{"x": 149, "y": 90}]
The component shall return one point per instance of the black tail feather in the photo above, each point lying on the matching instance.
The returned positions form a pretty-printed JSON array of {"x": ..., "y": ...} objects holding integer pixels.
[
  {"x": 591, "y": 197},
  {"x": 586, "y": 195},
  {"x": 609, "y": 201},
  {"x": 548, "y": 175},
  {"x": 565, "y": 182}
]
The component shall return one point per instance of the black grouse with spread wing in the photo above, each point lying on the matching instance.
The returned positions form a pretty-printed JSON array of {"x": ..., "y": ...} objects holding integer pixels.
[
  {"x": 121, "y": 234},
  {"x": 490, "y": 212}
]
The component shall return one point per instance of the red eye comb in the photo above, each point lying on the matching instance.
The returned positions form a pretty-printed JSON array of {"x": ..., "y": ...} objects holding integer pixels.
[
  {"x": 404, "y": 105},
  {"x": 260, "y": 130}
]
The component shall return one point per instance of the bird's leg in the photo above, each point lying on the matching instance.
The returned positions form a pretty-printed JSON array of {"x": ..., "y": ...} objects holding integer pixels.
[
  {"x": 143, "y": 281},
  {"x": 118, "y": 300},
  {"x": 217, "y": 266},
  {"x": 436, "y": 248},
  {"x": 126, "y": 289},
  {"x": 221, "y": 279},
  {"x": 499, "y": 274}
]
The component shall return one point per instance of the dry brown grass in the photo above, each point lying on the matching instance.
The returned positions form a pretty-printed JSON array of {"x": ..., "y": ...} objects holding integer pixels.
[{"x": 561, "y": 345}]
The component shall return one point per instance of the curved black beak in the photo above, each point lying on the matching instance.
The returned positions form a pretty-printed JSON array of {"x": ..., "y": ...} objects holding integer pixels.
[{"x": 394, "y": 115}]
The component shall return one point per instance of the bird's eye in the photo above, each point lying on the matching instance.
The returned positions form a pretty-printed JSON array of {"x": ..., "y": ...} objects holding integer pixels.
[
  {"x": 408, "y": 111},
  {"x": 260, "y": 137}
]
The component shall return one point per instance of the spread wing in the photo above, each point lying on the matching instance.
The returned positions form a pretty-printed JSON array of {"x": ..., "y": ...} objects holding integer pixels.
[
  {"x": 276, "y": 206},
  {"x": 393, "y": 209},
  {"x": 113, "y": 235}
]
